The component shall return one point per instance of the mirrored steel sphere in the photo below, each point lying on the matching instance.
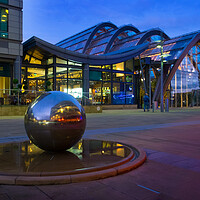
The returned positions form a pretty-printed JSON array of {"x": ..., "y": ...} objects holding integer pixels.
[{"x": 55, "y": 121}]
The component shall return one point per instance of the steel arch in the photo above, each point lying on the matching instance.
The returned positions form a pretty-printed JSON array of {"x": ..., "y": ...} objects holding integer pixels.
[
  {"x": 168, "y": 79},
  {"x": 151, "y": 33},
  {"x": 98, "y": 27},
  {"x": 194, "y": 40},
  {"x": 116, "y": 34}
]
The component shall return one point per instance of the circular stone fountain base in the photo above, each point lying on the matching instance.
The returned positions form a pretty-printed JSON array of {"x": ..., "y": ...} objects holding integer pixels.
[{"x": 23, "y": 163}]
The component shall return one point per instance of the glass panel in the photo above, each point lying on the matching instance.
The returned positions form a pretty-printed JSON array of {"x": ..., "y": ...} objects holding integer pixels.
[
  {"x": 4, "y": 87},
  {"x": 198, "y": 58},
  {"x": 35, "y": 73},
  {"x": 4, "y": 20},
  {"x": 118, "y": 93},
  {"x": 75, "y": 88},
  {"x": 156, "y": 38},
  {"x": 35, "y": 61},
  {"x": 106, "y": 91},
  {"x": 95, "y": 92},
  {"x": 119, "y": 77},
  {"x": 129, "y": 94},
  {"x": 27, "y": 58},
  {"x": 70, "y": 62},
  {"x": 129, "y": 65},
  {"x": 61, "y": 61},
  {"x": 106, "y": 76},
  {"x": 5, "y": 70},
  {"x": 186, "y": 80},
  {"x": 23, "y": 74},
  {"x": 4, "y": 1},
  {"x": 95, "y": 76},
  {"x": 124, "y": 45},
  {"x": 50, "y": 87},
  {"x": 50, "y": 61},
  {"x": 106, "y": 67},
  {"x": 194, "y": 49},
  {"x": 40, "y": 85},
  {"x": 61, "y": 72},
  {"x": 129, "y": 78},
  {"x": 97, "y": 49},
  {"x": 75, "y": 73},
  {"x": 119, "y": 66},
  {"x": 32, "y": 85},
  {"x": 61, "y": 85},
  {"x": 198, "y": 48},
  {"x": 95, "y": 66},
  {"x": 50, "y": 72}
]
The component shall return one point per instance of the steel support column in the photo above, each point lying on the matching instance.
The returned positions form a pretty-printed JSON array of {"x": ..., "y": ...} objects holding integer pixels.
[{"x": 86, "y": 84}]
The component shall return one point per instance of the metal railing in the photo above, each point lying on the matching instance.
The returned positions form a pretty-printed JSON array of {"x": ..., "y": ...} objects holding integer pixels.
[
  {"x": 25, "y": 97},
  {"x": 17, "y": 96}
]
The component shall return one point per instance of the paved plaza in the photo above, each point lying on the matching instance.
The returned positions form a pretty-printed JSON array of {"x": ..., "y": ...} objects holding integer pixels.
[{"x": 171, "y": 171}]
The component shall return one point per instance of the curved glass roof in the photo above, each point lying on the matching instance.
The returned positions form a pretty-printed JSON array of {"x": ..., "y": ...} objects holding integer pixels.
[
  {"x": 79, "y": 41},
  {"x": 76, "y": 42},
  {"x": 99, "y": 42},
  {"x": 172, "y": 49},
  {"x": 106, "y": 38}
]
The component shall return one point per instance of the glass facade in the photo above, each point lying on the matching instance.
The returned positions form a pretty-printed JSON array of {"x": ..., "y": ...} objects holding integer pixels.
[
  {"x": 112, "y": 84},
  {"x": 115, "y": 83},
  {"x": 63, "y": 75},
  {"x": 185, "y": 83}
]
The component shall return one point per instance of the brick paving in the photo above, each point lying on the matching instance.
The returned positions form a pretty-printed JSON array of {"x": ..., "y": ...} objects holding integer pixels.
[{"x": 171, "y": 172}]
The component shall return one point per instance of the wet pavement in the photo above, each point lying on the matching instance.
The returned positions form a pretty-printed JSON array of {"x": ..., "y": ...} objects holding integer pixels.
[{"x": 172, "y": 169}]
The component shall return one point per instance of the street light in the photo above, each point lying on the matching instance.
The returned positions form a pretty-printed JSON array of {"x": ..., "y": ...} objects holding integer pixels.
[
  {"x": 161, "y": 76},
  {"x": 161, "y": 79}
]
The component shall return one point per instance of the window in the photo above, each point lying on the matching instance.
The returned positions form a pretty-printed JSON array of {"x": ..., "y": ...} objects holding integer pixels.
[
  {"x": 129, "y": 65},
  {"x": 106, "y": 67},
  {"x": 119, "y": 77},
  {"x": 50, "y": 72},
  {"x": 75, "y": 73},
  {"x": 50, "y": 61},
  {"x": 4, "y": 23},
  {"x": 75, "y": 88},
  {"x": 35, "y": 73},
  {"x": 95, "y": 92},
  {"x": 35, "y": 61},
  {"x": 61, "y": 61},
  {"x": 95, "y": 76},
  {"x": 106, "y": 93},
  {"x": 94, "y": 66},
  {"x": 118, "y": 93},
  {"x": 106, "y": 76},
  {"x": 118, "y": 66},
  {"x": 61, "y": 85},
  {"x": 61, "y": 72},
  {"x": 4, "y": 1}
]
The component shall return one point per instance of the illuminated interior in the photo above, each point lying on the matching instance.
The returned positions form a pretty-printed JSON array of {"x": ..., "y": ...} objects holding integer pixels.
[
  {"x": 121, "y": 81},
  {"x": 4, "y": 86}
]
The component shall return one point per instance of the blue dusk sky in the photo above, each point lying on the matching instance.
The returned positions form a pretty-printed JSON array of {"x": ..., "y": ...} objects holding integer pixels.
[{"x": 55, "y": 20}]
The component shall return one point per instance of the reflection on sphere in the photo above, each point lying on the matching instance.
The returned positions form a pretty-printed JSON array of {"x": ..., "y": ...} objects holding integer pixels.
[{"x": 55, "y": 121}]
